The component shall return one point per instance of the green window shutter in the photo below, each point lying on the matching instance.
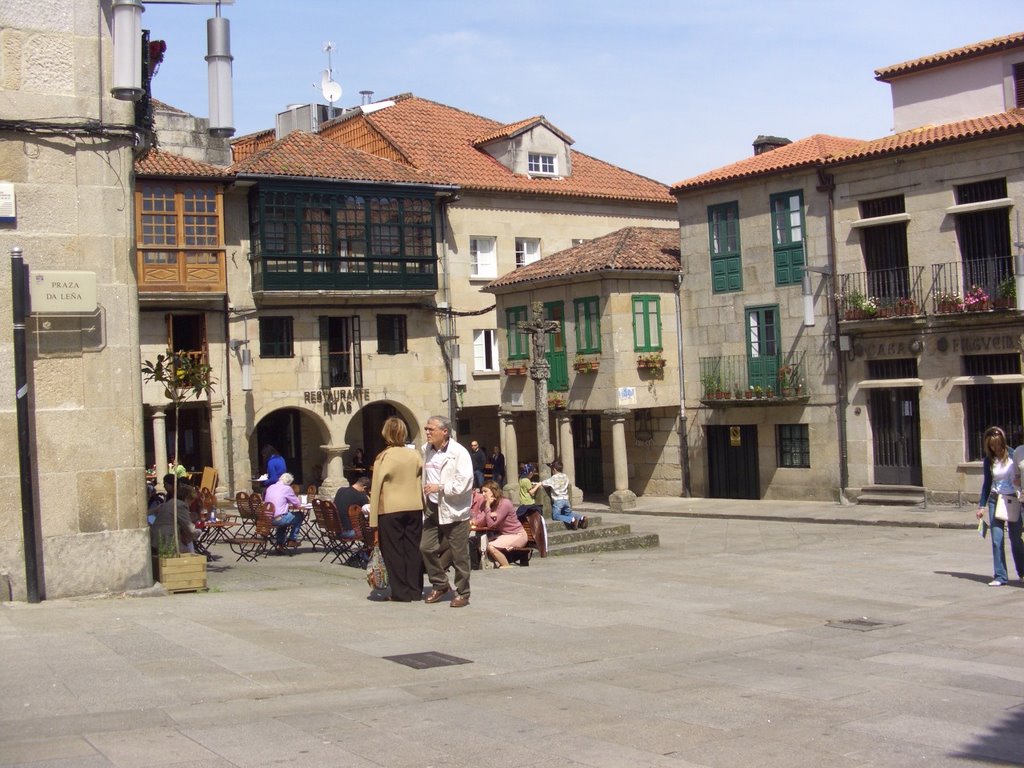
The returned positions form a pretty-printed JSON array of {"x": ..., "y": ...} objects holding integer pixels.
[
  {"x": 724, "y": 247},
  {"x": 588, "y": 325},
  {"x": 787, "y": 222},
  {"x": 646, "y": 324},
  {"x": 516, "y": 339}
]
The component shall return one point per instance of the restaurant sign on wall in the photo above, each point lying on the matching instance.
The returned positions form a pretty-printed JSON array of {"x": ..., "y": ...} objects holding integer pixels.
[{"x": 337, "y": 401}]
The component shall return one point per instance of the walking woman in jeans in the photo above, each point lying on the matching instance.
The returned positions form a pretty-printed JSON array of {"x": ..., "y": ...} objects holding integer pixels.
[{"x": 1001, "y": 476}]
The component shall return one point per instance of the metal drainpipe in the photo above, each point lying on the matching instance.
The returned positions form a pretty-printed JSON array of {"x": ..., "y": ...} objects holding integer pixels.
[
  {"x": 449, "y": 321},
  {"x": 684, "y": 449},
  {"x": 827, "y": 185},
  {"x": 229, "y": 449}
]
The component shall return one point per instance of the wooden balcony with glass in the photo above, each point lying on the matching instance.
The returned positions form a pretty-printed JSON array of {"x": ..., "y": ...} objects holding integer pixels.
[
  {"x": 179, "y": 243},
  {"x": 336, "y": 241}
]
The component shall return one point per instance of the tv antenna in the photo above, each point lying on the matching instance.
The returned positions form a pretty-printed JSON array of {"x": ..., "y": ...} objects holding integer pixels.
[{"x": 330, "y": 89}]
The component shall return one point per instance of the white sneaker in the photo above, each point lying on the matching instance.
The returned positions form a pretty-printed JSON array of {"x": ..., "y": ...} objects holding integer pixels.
[{"x": 996, "y": 583}]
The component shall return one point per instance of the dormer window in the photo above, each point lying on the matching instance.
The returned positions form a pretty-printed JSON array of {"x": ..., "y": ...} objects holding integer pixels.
[{"x": 541, "y": 164}]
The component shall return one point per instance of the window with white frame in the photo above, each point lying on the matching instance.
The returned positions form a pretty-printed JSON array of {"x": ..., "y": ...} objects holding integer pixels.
[
  {"x": 527, "y": 251},
  {"x": 485, "y": 350},
  {"x": 483, "y": 257},
  {"x": 542, "y": 164}
]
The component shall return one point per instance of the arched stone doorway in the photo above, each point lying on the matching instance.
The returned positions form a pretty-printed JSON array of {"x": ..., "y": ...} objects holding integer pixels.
[
  {"x": 364, "y": 428},
  {"x": 298, "y": 435}
]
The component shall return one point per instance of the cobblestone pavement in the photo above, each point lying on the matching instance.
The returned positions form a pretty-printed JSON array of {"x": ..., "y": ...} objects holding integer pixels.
[{"x": 738, "y": 641}]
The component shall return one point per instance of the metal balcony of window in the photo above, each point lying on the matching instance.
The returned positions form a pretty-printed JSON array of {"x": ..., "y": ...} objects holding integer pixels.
[
  {"x": 897, "y": 292},
  {"x": 742, "y": 381},
  {"x": 974, "y": 285},
  {"x": 955, "y": 287}
]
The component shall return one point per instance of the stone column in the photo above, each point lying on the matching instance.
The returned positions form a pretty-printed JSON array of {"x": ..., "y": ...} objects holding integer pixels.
[
  {"x": 568, "y": 455},
  {"x": 217, "y": 443},
  {"x": 622, "y": 499},
  {"x": 334, "y": 469},
  {"x": 510, "y": 448},
  {"x": 160, "y": 443}
]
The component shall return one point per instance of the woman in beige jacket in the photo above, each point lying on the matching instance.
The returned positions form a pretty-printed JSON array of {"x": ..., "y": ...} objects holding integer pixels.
[{"x": 396, "y": 511}]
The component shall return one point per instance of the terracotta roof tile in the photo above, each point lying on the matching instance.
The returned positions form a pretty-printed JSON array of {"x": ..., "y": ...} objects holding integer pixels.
[
  {"x": 650, "y": 249},
  {"x": 805, "y": 152},
  {"x": 439, "y": 139},
  {"x": 932, "y": 135},
  {"x": 514, "y": 129},
  {"x": 307, "y": 155},
  {"x": 158, "y": 163},
  {"x": 984, "y": 48}
]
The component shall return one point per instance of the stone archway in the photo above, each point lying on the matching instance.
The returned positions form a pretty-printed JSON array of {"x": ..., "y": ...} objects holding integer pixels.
[
  {"x": 298, "y": 434},
  {"x": 364, "y": 429}
]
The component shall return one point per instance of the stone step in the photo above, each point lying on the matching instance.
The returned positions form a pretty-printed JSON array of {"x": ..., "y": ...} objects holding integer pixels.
[
  {"x": 565, "y": 536},
  {"x": 604, "y": 544},
  {"x": 892, "y": 495}
]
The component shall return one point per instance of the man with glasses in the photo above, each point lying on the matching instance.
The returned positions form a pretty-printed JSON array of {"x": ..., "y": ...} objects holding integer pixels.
[{"x": 448, "y": 488}]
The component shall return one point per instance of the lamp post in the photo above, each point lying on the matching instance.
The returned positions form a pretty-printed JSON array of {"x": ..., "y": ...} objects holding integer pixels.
[{"x": 808, "y": 293}]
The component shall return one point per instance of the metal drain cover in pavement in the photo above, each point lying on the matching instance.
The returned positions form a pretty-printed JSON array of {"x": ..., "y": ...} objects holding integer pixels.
[
  {"x": 861, "y": 625},
  {"x": 428, "y": 660}
]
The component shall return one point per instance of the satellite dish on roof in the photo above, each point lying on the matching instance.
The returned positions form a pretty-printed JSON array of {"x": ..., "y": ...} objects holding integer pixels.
[{"x": 330, "y": 89}]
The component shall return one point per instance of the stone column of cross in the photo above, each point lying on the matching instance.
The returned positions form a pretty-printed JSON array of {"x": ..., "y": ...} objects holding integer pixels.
[{"x": 540, "y": 371}]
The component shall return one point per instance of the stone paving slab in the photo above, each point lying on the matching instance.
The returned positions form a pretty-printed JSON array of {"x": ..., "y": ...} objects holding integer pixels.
[{"x": 722, "y": 647}]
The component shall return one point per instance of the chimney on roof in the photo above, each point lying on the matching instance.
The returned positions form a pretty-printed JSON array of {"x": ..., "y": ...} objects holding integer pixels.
[
  {"x": 764, "y": 144},
  {"x": 365, "y": 97}
]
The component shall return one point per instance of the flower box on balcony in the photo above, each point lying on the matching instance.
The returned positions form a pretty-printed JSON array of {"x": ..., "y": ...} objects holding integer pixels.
[
  {"x": 586, "y": 365},
  {"x": 515, "y": 370}
]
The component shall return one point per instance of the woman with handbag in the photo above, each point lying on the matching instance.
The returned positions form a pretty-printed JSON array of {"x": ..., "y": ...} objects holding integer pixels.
[
  {"x": 396, "y": 511},
  {"x": 999, "y": 501}
]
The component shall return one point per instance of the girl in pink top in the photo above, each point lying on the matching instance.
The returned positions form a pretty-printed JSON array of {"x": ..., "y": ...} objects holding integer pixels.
[{"x": 498, "y": 515}]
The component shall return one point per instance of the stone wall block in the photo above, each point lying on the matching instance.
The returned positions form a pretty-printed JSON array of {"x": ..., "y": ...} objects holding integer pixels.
[
  {"x": 48, "y": 64},
  {"x": 97, "y": 501}
]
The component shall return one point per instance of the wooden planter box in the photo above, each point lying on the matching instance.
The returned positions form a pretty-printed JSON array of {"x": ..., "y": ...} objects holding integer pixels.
[
  {"x": 185, "y": 573},
  {"x": 657, "y": 364},
  {"x": 585, "y": 367},
  {"x": 515, "y": 371}
]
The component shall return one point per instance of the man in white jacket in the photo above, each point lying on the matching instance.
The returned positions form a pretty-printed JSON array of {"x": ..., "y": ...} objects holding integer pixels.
[{"x": 448, "y": 488}]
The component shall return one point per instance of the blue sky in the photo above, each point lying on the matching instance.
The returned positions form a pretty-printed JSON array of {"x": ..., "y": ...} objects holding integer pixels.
[{"x": 665, "y": 88}]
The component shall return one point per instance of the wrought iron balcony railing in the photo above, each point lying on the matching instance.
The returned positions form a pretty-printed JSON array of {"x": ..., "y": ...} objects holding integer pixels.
[{"x": 776, "y": 378}]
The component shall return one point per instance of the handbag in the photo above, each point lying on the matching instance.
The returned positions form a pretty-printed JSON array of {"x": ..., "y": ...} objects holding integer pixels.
[
  {"x": 1007, "y": 508},
  {"x": 376, "y": 572}
]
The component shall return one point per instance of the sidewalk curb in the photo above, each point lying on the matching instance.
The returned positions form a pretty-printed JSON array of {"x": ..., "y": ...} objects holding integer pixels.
[{"x": 799, "y": 519}]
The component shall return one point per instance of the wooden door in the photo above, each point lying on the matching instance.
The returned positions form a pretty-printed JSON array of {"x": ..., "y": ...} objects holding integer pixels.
[{"x": 732, "y": 462}]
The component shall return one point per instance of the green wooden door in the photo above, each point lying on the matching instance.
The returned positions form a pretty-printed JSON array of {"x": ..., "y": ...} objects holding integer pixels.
[
  {"x": 763, "y": 344},
  {"x": 559, "y": 381}
]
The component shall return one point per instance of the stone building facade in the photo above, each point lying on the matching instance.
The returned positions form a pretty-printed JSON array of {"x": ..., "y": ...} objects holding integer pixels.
[{"x": 66, "y": 149}]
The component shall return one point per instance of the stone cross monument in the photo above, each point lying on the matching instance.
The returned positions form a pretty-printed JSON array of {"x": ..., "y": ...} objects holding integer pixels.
[{"x": 540, "y": 370}]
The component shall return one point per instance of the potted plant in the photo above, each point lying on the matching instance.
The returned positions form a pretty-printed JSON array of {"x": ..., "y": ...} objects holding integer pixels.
[
  {"x": 758, "y": 392},
  {"x": 651, "y": 360},
  {"x": 738, "y": 392},
  {"x": 948, "y": 303},
  {"x": 769, "y": 393},
  {"x": 905, "y": 306},
  {"x": 514, "y": 367},
  {"x": 182, "y": 376},
  {"x": 786, "y": 374},
  {"x": 976, "y": 300},
  {"x": 709, "y": 381},
  {"x": 1007, "y": 294},
  {"x": 584, "y": 364},
  {"x": 556, "y": 401},
  {"x": 858, "y": 306},
  {"x": 749, "y": 393}
]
